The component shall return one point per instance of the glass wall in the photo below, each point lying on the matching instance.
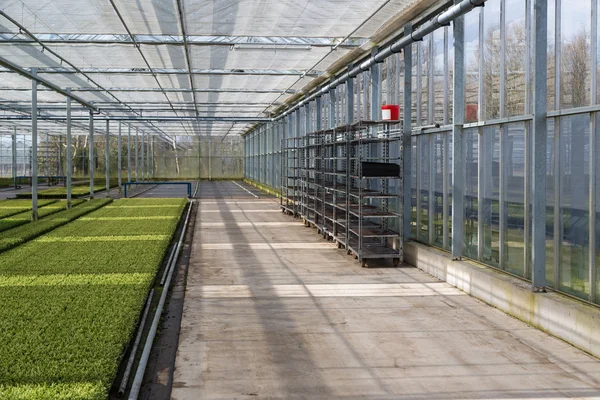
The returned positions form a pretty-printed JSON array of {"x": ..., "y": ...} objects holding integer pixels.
[
  {"x": 497, "y": 159},
  {"x": 23, "y": 155},
  {"x": 497, "y": 137}
]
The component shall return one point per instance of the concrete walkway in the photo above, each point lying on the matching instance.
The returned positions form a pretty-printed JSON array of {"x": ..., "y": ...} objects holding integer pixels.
[{"x": 273, "y": 311}]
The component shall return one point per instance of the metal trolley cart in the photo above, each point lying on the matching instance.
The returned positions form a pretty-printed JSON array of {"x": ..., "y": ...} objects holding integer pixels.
[{"x": 290, "y": 188}]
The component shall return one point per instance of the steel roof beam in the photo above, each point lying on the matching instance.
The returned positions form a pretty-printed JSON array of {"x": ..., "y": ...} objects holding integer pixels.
[
  {"x": 51, "y": 86},
  {"x": 183, "y": 90},
  {"x": 139, "y": 118},
  {"x": 193, "y": 40},
  {"x": 172, "y": 71},
  {"x": 140, "y": 110},
  {"x": 143, "y": 103},
  {"x": 186, "y": 49}
]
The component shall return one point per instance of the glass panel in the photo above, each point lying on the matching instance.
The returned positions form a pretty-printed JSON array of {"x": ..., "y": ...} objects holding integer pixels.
[
  {"x": 438, "y": 76},
  {"x": 415, "y": 102},
  {"x": 514, "y": 234},
  {"x": 597, "y": 213},
  {"x": 597, "y": 66},
  {"x": 471, "y": 138},
  {"x": 551, "y": 105},
  {"x": 400, "y": 83},
  {"x": 550, "y": 203},
  {"x": 424, "y": 170},
  {"x": 491, "y": 59},
  {"x": 425, "y": 50},
  {"x": 490, "y": 194},
  {"x": 438, "y": 189},
  {"x": 515, "y": 57},
  {"x": 472, "y": 65},
  {"x": 449, "y": 173},
  {"x": 574, "y": 204},
  {"x": 575, "y": 54},
  {"x": 450, "y": 71},
  {"x": 413, "y": 186}
]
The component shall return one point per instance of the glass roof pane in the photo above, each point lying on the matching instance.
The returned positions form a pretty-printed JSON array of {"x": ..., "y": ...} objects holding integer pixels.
[
  {"x": 276, "y": 17},
  {"x": 65, "y": 16},
  {"x": 150, "y": 16},
  {"x": 260, "y": 75}
]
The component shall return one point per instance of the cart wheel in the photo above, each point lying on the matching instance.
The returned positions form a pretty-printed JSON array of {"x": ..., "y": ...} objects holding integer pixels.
[
  {"x": 396, "y": 262},
  {"x": 349, "y": 252},
  {"x": 339, "y": 245},
  {"x": 363, "y": 263},
  {"x": 356, "y": 256}
]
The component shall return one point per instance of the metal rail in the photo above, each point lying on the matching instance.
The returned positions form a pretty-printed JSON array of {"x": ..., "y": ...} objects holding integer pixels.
[
  {"x": 188, "y": 184},
  {"x": 139, "y": 375},
  {"x": 136, "y": 344}
]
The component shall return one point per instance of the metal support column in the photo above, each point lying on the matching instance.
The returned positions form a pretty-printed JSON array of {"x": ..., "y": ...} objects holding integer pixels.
[
  {"x": 47, "y": 158},
  {"x": 92, "y": 164},
  {"x": 483, "y": 153},
  {"x": 458, "y": 160},
  {"x": 210, "y": 157},
  {"x": 69, "y": 151},
  {"x": 349, "y": 98},
  {"x": 59, "y": 163},
  {"x": 137, "y": 160},
  {"x": 14, "y": 156},
  {"x": 245, "y": 154},
  {"x": 593, "y": 205},
  {"x": 128, "y": 153},
  {"x": 34, "y": 169},
  {"x": 143, "y": 158},
  {"x": 107, "y": 158},
  {"x": 593, "y": 157},
  {"x": 274, "y": 133},
  {"x": 446, "y": 149},
  {"x": 539, "y": 133},
  {"x": 153, "y": 143},
  {"x": 119, "y": 160},
  {"x": 504, "y": 155},
  {"x": 148, "y": 156},
  {"x": 406, "y": 138}
]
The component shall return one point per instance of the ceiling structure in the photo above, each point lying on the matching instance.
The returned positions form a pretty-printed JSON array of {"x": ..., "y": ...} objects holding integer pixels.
[{"x": 172, "y": 67}]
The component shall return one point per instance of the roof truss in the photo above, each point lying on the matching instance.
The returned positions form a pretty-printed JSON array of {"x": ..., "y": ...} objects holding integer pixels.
[{"x": 265, "y": 41}]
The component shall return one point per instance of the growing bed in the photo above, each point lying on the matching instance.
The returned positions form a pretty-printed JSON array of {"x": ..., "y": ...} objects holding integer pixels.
[
  {"x": 21, "y": 234},
  {"x": 71, "y": 298},
  {"x": 61, "y": 192},
  {"x": 25, "y": 217},
  {"x": 13, "y": 207}
]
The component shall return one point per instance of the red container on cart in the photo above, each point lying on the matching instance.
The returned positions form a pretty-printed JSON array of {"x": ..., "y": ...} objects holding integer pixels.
[{"x": 390, "y": 112}]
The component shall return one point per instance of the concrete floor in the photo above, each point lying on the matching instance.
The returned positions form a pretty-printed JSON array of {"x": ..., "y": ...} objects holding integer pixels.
[{"x": 274, "y": 311}]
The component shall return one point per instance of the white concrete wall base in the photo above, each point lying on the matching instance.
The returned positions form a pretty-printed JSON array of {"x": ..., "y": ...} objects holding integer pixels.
[{"x": 566, "y": 318}]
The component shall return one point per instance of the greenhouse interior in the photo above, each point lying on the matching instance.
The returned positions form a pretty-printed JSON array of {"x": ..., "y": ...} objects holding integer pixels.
[{"x": 309, "y": 199}]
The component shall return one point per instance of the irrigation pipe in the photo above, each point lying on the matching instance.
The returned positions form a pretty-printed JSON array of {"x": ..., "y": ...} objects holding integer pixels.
[
  {"x": 136, "y": 344},
  {"x": 139, "y": 374}
]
